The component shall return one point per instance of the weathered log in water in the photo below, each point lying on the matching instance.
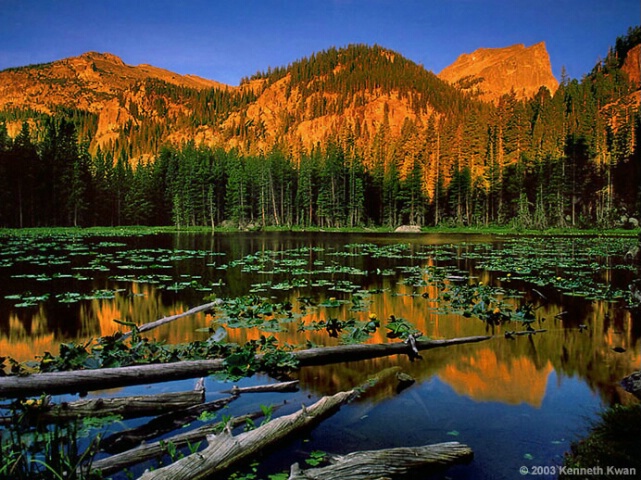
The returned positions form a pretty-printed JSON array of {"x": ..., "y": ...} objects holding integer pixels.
[
  {"x": 86, "y": 380},
  {"x": 346, "y": 353},
  {"x": 126, "y": 407},
  {"x": 226, "y": 450},
  {"x": 291, "y": 386},
  {"x": 142, "y": 453},
  {"x": 393, "y": 462},
  {"x": 121, "y": 441}
]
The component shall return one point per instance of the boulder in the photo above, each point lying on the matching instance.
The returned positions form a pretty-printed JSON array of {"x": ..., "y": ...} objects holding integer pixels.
[{"x": 408, "y": 229}]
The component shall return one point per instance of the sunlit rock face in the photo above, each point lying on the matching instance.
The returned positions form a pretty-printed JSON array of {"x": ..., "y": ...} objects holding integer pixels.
[
  {"x": 99, "y": 83},
  {"x": 632, "y": 65},
  {"x": 493, "y": 72}
]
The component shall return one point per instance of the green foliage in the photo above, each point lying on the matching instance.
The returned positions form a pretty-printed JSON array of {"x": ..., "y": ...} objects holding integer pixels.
[
  {"x": 47, "y": 452},
  {"x": 316, "y": 458},
  {"x": 613, "y": 441},
  {"x": 401, "y": 328}
]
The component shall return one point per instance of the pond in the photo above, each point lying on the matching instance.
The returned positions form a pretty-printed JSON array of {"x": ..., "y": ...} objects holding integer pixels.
[{"x": 515, "y": 400}]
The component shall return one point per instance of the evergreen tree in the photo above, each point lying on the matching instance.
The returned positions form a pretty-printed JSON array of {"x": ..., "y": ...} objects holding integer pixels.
[
  {"x": 21, "y": 172},
  {"x": 5, "y": 169},
  {"x": 236, "y": 200}
]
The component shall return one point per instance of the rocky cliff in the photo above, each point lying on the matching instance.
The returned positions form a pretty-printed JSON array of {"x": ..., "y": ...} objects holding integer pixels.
[
  {"x": 493, "y": 72},
  {"x": 99, "y": 83},
  {"x": 632, "y": 65}
]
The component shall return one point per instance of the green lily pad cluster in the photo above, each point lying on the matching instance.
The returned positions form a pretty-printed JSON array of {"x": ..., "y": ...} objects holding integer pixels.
[{"x": 572, "y": 266}]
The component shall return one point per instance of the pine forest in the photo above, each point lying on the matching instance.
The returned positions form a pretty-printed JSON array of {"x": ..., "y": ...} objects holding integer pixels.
[{"x": 567, "y": 159}]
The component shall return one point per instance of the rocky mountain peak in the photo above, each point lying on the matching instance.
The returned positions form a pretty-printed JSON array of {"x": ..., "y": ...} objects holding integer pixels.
[
  {"x": 493, "y": 72},
  {"x": 107, "y": 57}
]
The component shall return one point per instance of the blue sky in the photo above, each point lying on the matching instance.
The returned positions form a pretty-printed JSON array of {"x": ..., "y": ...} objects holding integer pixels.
[{"x": 228, "y": 40}]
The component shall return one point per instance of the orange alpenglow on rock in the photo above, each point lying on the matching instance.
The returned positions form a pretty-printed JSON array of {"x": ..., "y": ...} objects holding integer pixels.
[{"x": 493, "y": 72}]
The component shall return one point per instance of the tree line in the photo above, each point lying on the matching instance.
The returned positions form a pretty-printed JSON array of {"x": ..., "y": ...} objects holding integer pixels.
[{"x": 565, "y": 159}]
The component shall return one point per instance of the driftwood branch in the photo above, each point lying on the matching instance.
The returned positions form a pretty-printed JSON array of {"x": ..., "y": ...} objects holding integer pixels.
[
  {"x": 392, "y": 462},
  {"x": 272, "y": 387},
  {"x": 121, "y": 441},
  {"x": 85, "y": 380},
  {"x": 151, "y": 325},
  {"x": 147, "y": 451},
  {"x": 225, "y": 450}
]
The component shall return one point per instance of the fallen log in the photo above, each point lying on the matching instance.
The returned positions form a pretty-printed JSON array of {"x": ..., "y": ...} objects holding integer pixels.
[
  {"x": 86, "y": 380},
  {"x": 272, "y": 387},
  {"x": 147, "y": 451},
  {"x": 346, "y": 353},
  {"x": 121, "y": 441},
  {"x": 157, "y": 323},
  {"x": 387, "y": 463},
  {"x": 225, "y": 450},
  {"x": 126, "y": 407}
]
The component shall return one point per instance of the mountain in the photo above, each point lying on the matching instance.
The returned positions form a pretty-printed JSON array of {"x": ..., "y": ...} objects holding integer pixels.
[
  {"x": 357, "y": 90},
  {"x": 98, "y": 83},
  {"x": 83, "y": 82},
  {"x": 357, "y": 87},
  {"x": 348, "y": 136},
  {"x": 493, "y": 72}
]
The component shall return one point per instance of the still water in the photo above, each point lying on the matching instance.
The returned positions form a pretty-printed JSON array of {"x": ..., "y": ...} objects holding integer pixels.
[{"x": 515, "y": 402}]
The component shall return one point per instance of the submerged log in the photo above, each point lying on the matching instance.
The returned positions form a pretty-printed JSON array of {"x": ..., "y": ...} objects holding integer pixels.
[
  {"x": 387, "y": 463},
  {"x": 85, "y": 380},
  {"x": 225, "y": 450},
  {"x": 121, "y": 441},
  {"x": 291, "y": 386},
  {"x": 126, "y": 407},
  {"x": 147, "y": 451}
]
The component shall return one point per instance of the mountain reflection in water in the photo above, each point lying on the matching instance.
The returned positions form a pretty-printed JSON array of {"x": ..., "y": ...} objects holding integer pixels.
[{"x": 565, "y": 369}]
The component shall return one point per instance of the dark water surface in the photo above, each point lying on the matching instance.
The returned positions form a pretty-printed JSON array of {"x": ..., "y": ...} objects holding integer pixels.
[{"x": 516, "y": 402}]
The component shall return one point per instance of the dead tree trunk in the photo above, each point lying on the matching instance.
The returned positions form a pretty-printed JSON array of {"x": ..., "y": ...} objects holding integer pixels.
[
  {"x": 142, "y": 453},
  {"x": 121, "y": 441},
  {"x": 291, "y": 386},
  {"x": 346, "y": 353},
  {"x": 151, "y": 325},
  {"x": 86, "y": 380},
  {"x": 388, "y": 463},
  {"x": 126, "y": 407},
  {"x": 225, "y": 450}
]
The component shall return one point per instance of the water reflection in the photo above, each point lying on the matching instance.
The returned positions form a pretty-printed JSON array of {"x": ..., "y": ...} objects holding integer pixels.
[{"x": 508, "y": 371}]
